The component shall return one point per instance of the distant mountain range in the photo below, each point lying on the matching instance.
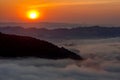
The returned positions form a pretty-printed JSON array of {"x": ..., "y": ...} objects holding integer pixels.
[
  {"x": 12, "y": 46},
  {"x": 63, "y": 33},
  {"x": 48, "y": 25}
]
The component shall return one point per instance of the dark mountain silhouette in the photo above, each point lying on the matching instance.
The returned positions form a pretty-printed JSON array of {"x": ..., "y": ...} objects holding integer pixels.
[
  {"x": 12, "y": 46},
  {"x": 74, "y": 33}
]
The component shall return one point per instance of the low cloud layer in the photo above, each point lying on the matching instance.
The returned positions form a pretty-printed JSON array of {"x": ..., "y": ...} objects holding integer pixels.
[
  {"x": 36, "y": 69},
  {"x": 102, "y": 63}
]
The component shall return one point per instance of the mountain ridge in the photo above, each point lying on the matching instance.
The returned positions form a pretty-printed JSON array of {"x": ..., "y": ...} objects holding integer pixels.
[{"x": 63, "y": 33}]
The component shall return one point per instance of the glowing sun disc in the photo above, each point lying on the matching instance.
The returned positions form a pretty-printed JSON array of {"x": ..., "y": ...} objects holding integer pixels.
[{"x": 33, "y": 14}]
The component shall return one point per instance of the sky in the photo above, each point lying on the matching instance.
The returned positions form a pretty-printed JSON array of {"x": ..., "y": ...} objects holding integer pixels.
[{"x": 95, "y": 12}]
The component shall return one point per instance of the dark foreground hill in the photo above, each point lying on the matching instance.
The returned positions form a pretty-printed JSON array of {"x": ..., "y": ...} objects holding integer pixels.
[{"x": 12, "y": 46}]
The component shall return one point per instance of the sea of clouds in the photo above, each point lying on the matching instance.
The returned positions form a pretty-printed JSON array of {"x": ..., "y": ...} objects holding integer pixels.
[{"x": 102, "y": 62}]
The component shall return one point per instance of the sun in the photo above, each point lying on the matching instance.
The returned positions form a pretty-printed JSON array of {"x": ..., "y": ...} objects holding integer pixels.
[{"x": 33, "y": 14}]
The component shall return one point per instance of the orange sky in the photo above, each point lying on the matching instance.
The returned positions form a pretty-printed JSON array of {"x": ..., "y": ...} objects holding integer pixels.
[{"x": 101, "y": 12}]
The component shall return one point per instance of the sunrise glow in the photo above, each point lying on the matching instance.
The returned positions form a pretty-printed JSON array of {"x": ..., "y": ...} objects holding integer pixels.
[
  {"x": 33, "y": 14},
  {"x": 91, "y": 12}
]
